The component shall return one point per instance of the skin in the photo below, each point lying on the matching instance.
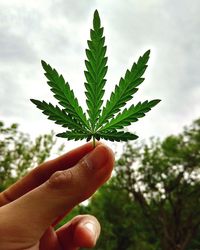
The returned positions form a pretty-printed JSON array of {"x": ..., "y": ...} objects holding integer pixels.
[{"x": 31, "y": 208}]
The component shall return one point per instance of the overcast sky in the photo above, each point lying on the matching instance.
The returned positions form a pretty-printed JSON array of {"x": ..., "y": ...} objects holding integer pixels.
[{"x": 57, "y": 31}]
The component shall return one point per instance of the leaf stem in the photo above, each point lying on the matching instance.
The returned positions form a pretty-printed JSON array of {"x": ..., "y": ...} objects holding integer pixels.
[{"x": 93, "y": 142}]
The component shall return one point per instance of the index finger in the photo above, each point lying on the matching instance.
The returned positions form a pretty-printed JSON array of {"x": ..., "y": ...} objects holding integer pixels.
[{"x": 42, "y": 173}]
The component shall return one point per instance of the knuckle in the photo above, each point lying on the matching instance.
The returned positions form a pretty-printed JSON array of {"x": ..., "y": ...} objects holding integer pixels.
[
  {"x": 60, "y": 179},
  {"x": 83, "y": 164}
]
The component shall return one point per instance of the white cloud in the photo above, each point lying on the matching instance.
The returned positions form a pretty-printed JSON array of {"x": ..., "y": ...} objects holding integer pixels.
[{"x": 56, "y": 31}]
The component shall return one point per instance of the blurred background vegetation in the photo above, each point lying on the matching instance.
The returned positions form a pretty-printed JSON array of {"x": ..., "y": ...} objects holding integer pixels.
[{"x": 152, "y": 201}]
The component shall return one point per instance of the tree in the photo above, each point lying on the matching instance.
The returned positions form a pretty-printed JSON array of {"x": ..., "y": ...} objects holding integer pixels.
[
  {"x": 19, "y": 154},
  {"x": 162, "y": 177},
  {"x": 120, "y": 219}
]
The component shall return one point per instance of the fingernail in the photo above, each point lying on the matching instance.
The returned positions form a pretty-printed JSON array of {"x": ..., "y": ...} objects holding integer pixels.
[
  {"x": 97, "y": 158},
  {"x": 91, "y": 228}
]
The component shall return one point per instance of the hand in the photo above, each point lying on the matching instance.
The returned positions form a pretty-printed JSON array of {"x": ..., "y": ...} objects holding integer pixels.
[{"x": 30, "y": 207}]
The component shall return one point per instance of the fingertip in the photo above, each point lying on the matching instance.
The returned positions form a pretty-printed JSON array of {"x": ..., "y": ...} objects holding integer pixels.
[
  {"x": 86, "y": 235},
  {"x": 81, "y": 232},
  {"x": 109, "y": 157},
  {"x": 100, "y": 157}
]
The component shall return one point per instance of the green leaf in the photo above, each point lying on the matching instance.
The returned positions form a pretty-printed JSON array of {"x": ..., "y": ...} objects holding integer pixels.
[
  {"x": 64, "y": 94},
  {"x": 74, "y": 135},
  {"x": 96, "y": 70},
  {"x": 130, "y": 115},
  {"x": 106, "y": 122},
  {"x": 115, "y": 135},
  {"x": 125, "y": 89},
  {"x": 57, "y": 115}
]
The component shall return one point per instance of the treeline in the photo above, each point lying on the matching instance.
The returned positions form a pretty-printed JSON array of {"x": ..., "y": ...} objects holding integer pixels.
[{"x": 151, "y": 202}]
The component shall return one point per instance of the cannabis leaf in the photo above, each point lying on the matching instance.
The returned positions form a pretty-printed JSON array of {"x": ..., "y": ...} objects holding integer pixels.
[{"x": 106, "y": 122}]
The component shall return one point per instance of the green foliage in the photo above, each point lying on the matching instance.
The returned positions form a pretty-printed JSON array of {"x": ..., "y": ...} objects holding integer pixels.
[
  {"x": 106, "y": 122},
  {"x": 129, "y": 115},
  {"x": 64, "y": 95},
  {"x": 121, "y": 221},
  {"x": 96, "y": 70},
  {"x": 19, "y": 154},
  {"x": 77, "y": 210},
  {"x": 163, "y": 178}
]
